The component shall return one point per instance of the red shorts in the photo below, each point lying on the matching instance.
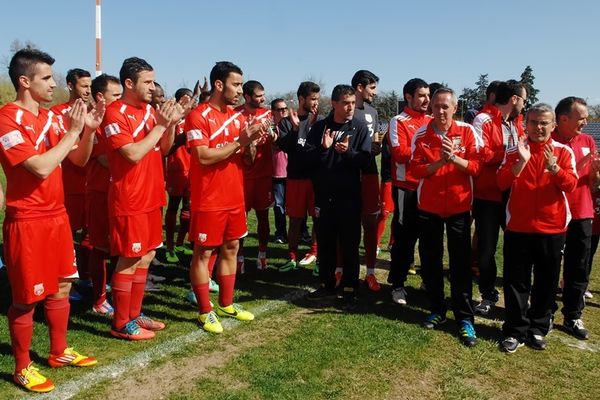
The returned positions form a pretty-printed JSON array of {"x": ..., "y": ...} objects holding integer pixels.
[
  {"x": 258, "y": 193},
  {"x": 96, "y": 205},
  {"x": 135, "y": 235},
  {"x": 387, "y": 202},
  {"x": 213, "y": 228},
  {"x": 299, "y": 198},
  {"x": 369, "y": 185},
  {"x": 178, "y": 183},
  {"x": 75, "y": 205},
  {"x": 38, "y": 253}
]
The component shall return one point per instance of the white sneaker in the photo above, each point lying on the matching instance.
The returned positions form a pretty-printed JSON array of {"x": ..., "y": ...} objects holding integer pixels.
[
  {"x": 484, "y": 307},
  {"x": 399, "y": 296},
  {"x": 588, "y": 295},
  {"x": 156, "y": 278},
  {"x": 308, "y": 259}
]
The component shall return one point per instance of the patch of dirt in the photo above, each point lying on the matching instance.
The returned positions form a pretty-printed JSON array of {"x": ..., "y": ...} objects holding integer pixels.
[{"x": 180, "y": 375}]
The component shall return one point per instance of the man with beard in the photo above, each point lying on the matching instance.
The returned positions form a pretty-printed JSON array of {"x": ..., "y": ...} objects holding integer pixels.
[
  {"x": 299, "y": 199},
  {"x": 338, "y": 146},
  {"x": 499, "y": 130},
  {"x": 216, "y": 136},
  {"x": 404, "y": 225},
  {"x": 258, "y": 170}
]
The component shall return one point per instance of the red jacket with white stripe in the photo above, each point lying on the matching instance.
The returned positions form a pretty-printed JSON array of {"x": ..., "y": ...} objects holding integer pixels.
[
  {"x": 488, "y": 126},
  {"x": 537, "y": 202},
  {"x": 448, "y": 191},
  {"x": 400, "y": 133}
]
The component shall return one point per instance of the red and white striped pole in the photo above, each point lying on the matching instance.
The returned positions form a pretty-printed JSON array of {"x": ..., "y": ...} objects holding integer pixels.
[{"x": 98, "y": 37}]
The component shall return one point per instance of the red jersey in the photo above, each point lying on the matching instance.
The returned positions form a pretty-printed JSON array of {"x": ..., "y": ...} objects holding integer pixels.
[
  {"x": 537, "y": 202},
  {"x": 263, "y": 162},
  {"x": 400, "y": 134},
  {"x": 180, "y": 159},
  {"x": 448, "y": 191},
  {"x": 219, "y": 186},
  {"x": 134, "y": 188},
  {"x": 97, "y": 175},
  {"x": 24, "y": 135},
  {"x": 488, "y": 126},
  {"x": 580, "y": 200},
  {"x": 73, "y": 175}
]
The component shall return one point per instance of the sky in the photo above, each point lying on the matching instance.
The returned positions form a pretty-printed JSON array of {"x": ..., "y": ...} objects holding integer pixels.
[{"x": 281, "y": 43}]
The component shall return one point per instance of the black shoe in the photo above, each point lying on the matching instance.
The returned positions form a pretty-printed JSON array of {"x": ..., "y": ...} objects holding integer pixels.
[
  {"x": 510, "y": 344},
  {"x": 307, "y": 238},
  {"x": 575, "y": 327},
  {"x": 349, "y": 299},
  {"x": 280, "y": 240},
  {"x": 537, "y": 342},
  {"x": 321, "y": 293}
]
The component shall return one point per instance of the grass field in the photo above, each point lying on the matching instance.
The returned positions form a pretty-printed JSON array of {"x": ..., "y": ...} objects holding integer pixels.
[{"x": 296, "y": 351}]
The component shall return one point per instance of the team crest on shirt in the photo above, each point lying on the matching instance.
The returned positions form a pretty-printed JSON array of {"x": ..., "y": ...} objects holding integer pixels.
[
  {"x": 202, "y": 237},
  {"x": 38, "y": 289},
  {"x": 368, "y": 118},
  {"x": 136, "y": 247}
]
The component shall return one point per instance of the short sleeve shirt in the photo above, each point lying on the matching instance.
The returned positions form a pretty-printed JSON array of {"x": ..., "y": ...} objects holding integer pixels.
[
  {"x": 22, "y": 136},
  {"x": 134, "y": 188},
  {"x": 220, "y": 186}
]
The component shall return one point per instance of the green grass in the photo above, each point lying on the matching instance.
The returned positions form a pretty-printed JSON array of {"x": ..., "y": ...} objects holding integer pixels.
[{"x": 295, "y": 351}]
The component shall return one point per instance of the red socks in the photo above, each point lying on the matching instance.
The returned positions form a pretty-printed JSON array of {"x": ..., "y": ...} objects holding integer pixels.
[
  {"x": 226, "y": 286},
  {"x": 121, "y": 295},
  {"x": 57, "y": 318},
  {"x": 203, "y": 297},
  {"x": 20, "y": 324},
  {"x": 138, "y": 288}
]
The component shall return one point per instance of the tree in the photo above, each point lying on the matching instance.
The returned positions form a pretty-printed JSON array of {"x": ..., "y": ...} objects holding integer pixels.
[
  {"x": 594, "y": 112},
  {"x": 474, "y": 97},
  {"x": 386, "y": 104},
  {"x": 527, "y": 79}
]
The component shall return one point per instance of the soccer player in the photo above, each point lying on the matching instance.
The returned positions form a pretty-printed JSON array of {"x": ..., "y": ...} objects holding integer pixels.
[
  {"x": 365, "y": 85},
  {"x": 571, "y": 118},
  {"x": 105, "y": 88},
  {"x": 137, "y": 137},
  {"x": 216, "y": 136},
  {"x": 337, "y": 149},
  {"x": 178, "y": 187},
  {"x": 279, "y": 110},
  {"x": 258, "y": 170},
  {"x": 404, "y": 192},
  {"x": 299, "y": 199},
  {"x": 79, "y": 84},
  {"x": 538, "y": 171},
  {"x": 38, "y": 247},
  {"x": 444, "y": 160},
  {"x": 499, "y": 129}
]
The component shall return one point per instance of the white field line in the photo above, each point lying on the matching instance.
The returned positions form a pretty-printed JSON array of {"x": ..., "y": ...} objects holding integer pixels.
[{"x": 73, "y": 387}]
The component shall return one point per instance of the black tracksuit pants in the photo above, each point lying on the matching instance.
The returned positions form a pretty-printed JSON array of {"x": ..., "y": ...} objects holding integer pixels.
[
  {"x": 576, "y": 271},
  {"x": 406, "y": 232},
  {"x": 489, "y": 218},
  {"x": 524, "y": 253},
  {"x": 431, "y": 250}
]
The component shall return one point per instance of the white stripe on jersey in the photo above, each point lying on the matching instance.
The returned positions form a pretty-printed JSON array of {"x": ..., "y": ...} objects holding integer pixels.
[
  {"x": 263, "y": 115},
  {"x": 45, "y": 130},
  {"x": 393, "y": 128},
  {"x": 225, "y": 124},
  {"x": 143, "y": 123},
  {"x": 112, "y": 129},
  {"x": 123, "y": 108},
  {"x": 19, "y": 116}
]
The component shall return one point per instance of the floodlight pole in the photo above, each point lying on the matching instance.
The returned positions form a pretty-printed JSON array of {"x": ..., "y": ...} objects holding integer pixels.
[{"x": 98, "y": 37}]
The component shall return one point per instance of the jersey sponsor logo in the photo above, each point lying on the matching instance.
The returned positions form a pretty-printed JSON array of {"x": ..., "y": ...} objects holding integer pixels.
[
  {"x": 136, "y": 247},
  {"x": 38, "y": 289},
  {"x": 585, "y": 151},
  {"x": 11, "y": 139},
  {"x": 368, "y": 118},
  {"x": 27, "y": 127},
  {"x": 112, "y": 129},
  {"x": 212, "y": 120},
  {"x": 130, "y": 116},
  {"x": 202, "y": 237},
  {"x": 301, "y": 141}
]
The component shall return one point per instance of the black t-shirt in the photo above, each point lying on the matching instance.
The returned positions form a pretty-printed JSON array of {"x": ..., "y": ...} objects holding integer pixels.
[{"x": 368, "y": 114}]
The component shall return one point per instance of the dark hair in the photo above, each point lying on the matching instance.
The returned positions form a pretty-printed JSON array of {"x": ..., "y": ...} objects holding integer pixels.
[
  {"x": 492, "y": 87},
  {"x": 182, "y": 92},
  {"x": 340, "y": 91},
  {"x": 306, "y": 88},
  {"x": 412, "y": 85},
  {"x": 23, "y": 63},
  {"x": 221, "y": 71},
  {"x": 565, "y": 105},
  {"x": 274, "y": 102},
  {"x": 364, "y": 77},
  {"x": 249, "y": 87},
  {"x": 100, "y": 83},
  {"x": 433, "y": 87},
  {"x": 508, "y": 89},
  {"x": 73, "y": 75},
  {"x": 132, "y": 67}
]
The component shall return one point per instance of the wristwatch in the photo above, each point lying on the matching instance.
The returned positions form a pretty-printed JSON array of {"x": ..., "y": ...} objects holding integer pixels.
[
  {"x": 452, "y": 158},
  {"x": 553, "y": 168}
]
